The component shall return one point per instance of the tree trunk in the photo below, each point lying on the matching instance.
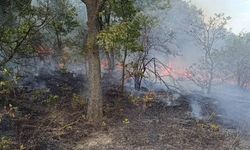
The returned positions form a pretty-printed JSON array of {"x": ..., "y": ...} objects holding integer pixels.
[
  {"x": 137, "y": 84},
  {"x": 137, "y": 76},
  {"x": 239, "y": 76},
  {"x": 211, "y": 78},
  {"x": 123, "y": 70},
  {"x": 112, "y": 60},
  {"x": 95, "y": 105},
  {"x": 59, "y": 51},
  {"x": 59, "y": 43}
]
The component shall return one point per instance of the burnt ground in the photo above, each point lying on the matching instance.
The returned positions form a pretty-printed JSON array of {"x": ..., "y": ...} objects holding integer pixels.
[{"x": 54, "y": 117}]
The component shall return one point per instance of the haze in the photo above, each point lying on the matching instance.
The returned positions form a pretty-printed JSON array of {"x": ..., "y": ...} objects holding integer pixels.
[{"x": 239, "y": 10}]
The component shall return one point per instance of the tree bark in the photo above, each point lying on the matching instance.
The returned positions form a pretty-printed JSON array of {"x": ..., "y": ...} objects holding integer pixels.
[
  {"x": 59, "y": 47},
  {"x": 111, "y": 61},
  {"x": 95, "y": 105},
  {"x": 211, "y": 78},
  {"x": 137, "y": 84},
  {"x": 123, "y": 70}
]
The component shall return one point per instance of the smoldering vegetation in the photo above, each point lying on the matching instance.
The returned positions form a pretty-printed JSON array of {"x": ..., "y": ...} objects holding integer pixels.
[{"x": 174, "y": 90}]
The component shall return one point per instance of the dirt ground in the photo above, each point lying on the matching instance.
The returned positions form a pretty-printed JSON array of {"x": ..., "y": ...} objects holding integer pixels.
[
  {"x": 160, "y": 128},
  {"x": 131, "y": 127},
  {"x": 128, "y": 125}
]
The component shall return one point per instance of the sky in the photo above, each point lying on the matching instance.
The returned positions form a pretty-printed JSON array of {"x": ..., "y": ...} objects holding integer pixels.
[{"x": 239, "y": 10}]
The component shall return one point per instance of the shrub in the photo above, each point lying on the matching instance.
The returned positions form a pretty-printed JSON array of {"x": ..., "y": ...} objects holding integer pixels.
[
  {"x": 5, "y": 143},
  {"x": 8, "y": 80},
  {"x": 78, "y": 101}
]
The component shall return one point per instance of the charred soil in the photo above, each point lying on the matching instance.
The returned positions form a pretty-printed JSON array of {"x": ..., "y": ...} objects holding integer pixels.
[{"x": 55, "y": 118}]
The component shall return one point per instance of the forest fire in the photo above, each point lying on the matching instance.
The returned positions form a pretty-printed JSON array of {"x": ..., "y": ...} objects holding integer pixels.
[
  {"x": 175, "y": 72},
  {"x": 167, "y": 71},
  {"x": 109, "y": 75},
  {"x": 44, "y": 51},
  {"x": 104, "y": 64}
]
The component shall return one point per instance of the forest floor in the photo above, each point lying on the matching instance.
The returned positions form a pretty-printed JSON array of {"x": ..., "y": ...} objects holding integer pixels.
[{"x": 62, "y": 125}]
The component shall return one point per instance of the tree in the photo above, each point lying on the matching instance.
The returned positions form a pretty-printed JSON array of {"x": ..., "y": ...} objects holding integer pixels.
[
  {"x": 94, "y": 7},
  {"x": 95, "y": 105},
  {"x": 10, "y": 9},
  {"x": 123, "y": 37},
  {"x": 207, "y": 34},
  {"x": 144, "y": 63},
  {"x": 234, "y": 60},
  {"x": 140, "y": 60},
  {"x": 111, "y": 38},
  {"x": 122, "y": 34},
  {"x": 19, "y": 27},
  {"x": 114, "y": 12},
  {"x": 63, "y": 23}
]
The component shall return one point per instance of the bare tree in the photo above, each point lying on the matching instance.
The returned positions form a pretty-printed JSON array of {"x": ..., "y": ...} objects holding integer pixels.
[
  {"x": 144, "y": 63},
  {"x": 207, "y": 34}
]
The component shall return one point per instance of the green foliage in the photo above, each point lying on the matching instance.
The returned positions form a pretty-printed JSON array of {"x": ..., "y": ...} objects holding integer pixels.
[
  {"x": 123, "y": 31},
  {"x": 126, "y": 121},
  {"x": 78, "y": 101},
  {"x": 16, "y": 38},
  {"x": 124, "y": 9},
  {"x": 5, "y": 143},
  {"x": 119, "y": 9},
  {"x": 7, "y": 82},
  {"x": 43, "y": 95},
  {"x": 9, "y": 111},
  {"x": 63, "y": 21},
  {"x": 17, "y": 30},
  {"x": 53, "y": 99},
  {"x": 23, "y": 6},
  {"x": 24, "y": 22},
  {"x": 124, "y": 35}
]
